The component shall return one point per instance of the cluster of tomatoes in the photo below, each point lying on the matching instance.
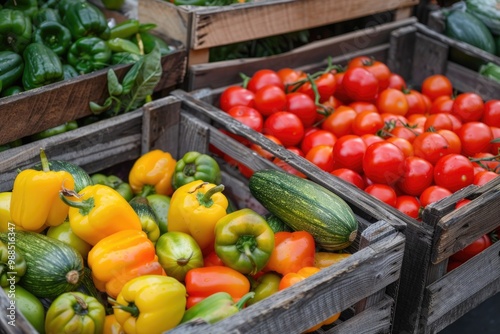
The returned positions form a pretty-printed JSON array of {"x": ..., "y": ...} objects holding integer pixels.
[{"x": 362, "y": 123}]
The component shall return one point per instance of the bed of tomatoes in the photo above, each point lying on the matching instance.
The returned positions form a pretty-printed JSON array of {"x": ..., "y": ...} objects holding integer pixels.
[{"x": 365, "y": 125}]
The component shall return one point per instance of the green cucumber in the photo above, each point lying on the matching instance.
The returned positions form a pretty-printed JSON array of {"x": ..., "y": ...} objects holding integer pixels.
[
  {"x": 80, "y": 176},
  {"x": 488, "y": 11},
  {"x": 307, "y": 206},
  {"x": 467, "y": 28},
  {"x": 53, "y": 267}
]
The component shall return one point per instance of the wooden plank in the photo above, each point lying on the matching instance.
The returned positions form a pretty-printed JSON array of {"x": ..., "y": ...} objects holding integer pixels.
[
  {"x": 470, "y": 278},
  {"x": 467, "y": 80},
  {"x": 430, "y": 57},
  {"x": 57, "y": 103},
  {"x": 401, "y": 49},
  {"x": 15, "y": 322}
]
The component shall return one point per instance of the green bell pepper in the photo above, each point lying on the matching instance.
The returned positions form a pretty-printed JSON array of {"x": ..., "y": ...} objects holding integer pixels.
[
  {"x": 216, "y": 307},
  {"x": 71, "y": 125},
  {"x": 69, "y": 71},
  {"x": 29, "y": 306},
  {"x": 196, "y": 166},
  {"x": 84, "y": 19},
  {"x": 55, "y": 36},
  {"x": 149, "y": 41},
  {"x": 244, "y": 241},
  {"x": 264, "y": 286},
  {"x": 490, "y": 71},
  {"x": 89, "y": 54},
  {"x": 118, "y": 44},
  {"x": 75, "y": 312},
  {"x": 160, "y": 205},
  {"x": 45, "y": 14},
  {"x": 12, "y": 265},
  {"x": 15, "y": 30},
  {"x": 124, "y": 58},
  {"x": 114, "y": 182},
  {"x": 41, "y": 66},
  {"x": 28, "y": 7},
  {"x": 11, "y": 68},
  {"x": 125, "y": 29}
]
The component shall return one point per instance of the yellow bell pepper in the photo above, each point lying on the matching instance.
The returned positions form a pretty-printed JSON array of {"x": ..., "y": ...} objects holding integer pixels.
[
  {"x": 35, "y": 201},
  {"x": 5, "y": 211},
  {"x": 98, "y": 212},
  {"x": 152, "y": 173},
  {"x": 195, "y": 208},
  {"x": 150, "y": 304},
  {"x": 120, "y": 257}
]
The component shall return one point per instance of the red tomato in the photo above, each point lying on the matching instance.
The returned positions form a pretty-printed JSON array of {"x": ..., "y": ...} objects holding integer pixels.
[
  {"x": 270, "y": 99},
  {"x": 340, "y": 92},
  {"x": 453, "y": 265},
  {"x": 416, "y": 103},
  {"x": 289, "y": 76},
  {"x": 285, "y": 126},
  {"x": 393, "y": 119},
  {"x": 380, "y": 70},
  {"x": 360, "y": 106},
  {"x": 437, "y": 85},
  {"x": 442, "y": 104},
  {"x": 418, "y": 174},
  {"x": 360, "y": 84},
  {"x": 416, "y": 120},
  {"x": 481, "y": 178},
  {"x": 437, "y": 122},
  {"x": 263, "y": 78},
  {"x": 457, "y": 123},
  {"x": 383, "y": 162},
  {"x": 433, "y": 194},
  {"x": 236, "y": 96},
  {"x": 367, "y": 122},
  {"x": 468, "y": 107},
  {"x": 340, "y": 122},
  {"x": 404, "y": 132},
  {"x": 491, "y": 114},
  {"x": 248, "y": 116},
  {"x": 296, "y": 150},
  {"x": 245, "y": 170},
  {"x": 383, "y": 192},
  {"x": 350, "y": 176},
  {"x": 453, "y": 172},
  {"x": 462, "y": 202},
  {"x": 348, "y": 152},
  {"x": 303, "y": 106},
  {"x": 486, "y": 160},
  {"x": 371, "y": 138},
  {"x": 262, "y": 152},
  {"x": 392, "y": 101},
  {"x": 454, "y": 143},
  {"x": 409, "y": 205},
  {"x": 430, "y": 146},
  {"x": 315, "y": 138},
  {"x": 495, "y": 144},
  {"x": 404, "y": 145},
  {"x": 472, "y": 250},
  {"x": 322, "y": 157},
  {"x": 475, "y": 137},
  {"x": 326, "y": 85},
  {"x": 427, "y": 102},
  {"x": 396, "y": 81}
]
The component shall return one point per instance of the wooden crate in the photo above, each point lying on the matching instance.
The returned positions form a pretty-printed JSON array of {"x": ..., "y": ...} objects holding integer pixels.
[
  {"x": 429, "y": 299},
  {"x": 42, "y": 108},
  {"x": 363, "y": 286},
  {"x": 201, "y": 28}
]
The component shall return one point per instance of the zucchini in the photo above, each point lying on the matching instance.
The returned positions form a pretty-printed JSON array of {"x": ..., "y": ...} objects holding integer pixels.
[
  {"x": 467, "y": 28},
  {"x": 276, "y": 224},
  {"x": 307, "y": 206},
  {"x": 53, "y": 267},
  {"x": 487, "y": 11},
  {"x": 80, "y": 176}
]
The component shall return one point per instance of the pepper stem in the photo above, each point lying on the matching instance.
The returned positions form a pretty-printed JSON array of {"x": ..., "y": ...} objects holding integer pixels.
[
  {"x": 243, "y": 300},
  {"x": 85, "y": 206},
  {"x": 81, "y": 308},
  {"x": 147, "y": 190},
  {"x": 249, "y": 254},
  {"x": 206, "y": 198},
  {"x": 130, "y": 308},
  {"x": 44, "y": 160}
]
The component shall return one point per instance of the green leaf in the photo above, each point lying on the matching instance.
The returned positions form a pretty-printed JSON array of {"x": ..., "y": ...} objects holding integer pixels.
[
  {"x": 114, "y": 86},
  {"x": 98, "y": 109},
  {"x": 129, "y": 79}
]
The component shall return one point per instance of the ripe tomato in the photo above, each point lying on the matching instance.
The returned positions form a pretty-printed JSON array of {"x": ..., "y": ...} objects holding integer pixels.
[
  {"x": 409, "y": 205},
  {"x": 468, "y": 107},
  {"x": 442, "y": 104},
  {"x": 416, "y": 120},
  {"x": 486, "y": 160},
  {"x": 383, "y": 162},
  {"x": 495, "y": 145},
  {"x": 340, "y": 121},
  {"x": 393, "y": 119},
  {"x": 462, "y": 202},
  {"x": 457, "y": 123},
  {"x": 418, "y": 174},
  {"x": 427, "y": 102},
  {"x": 396, "y": 81},
  {"x": 437, "y": 85},
  {"x": 430, "y": 146},
  {"x": 326, "y": 85},
  {"x": 360, "y": 84},
  {"x": 245, "y": 170},
  {"x": 285, "y": 126},
  {"x": 404, "y": 132},
  {"x": 484, "y": 177},
  {"x": 433, "y": 194},
  {"x": 340, "y": 92},
  {"x": 315, "y": 138},
  {"x": 248, "y": 116},
  {"x": 350, "y": 176},
  {"x": 348, "y": 152},
  {"x": 454, "y": 143},
  {"x": 263, "y": 78},
  {"x": 371, "y": 138},
  {"x": 404, "y": 145},
  {"x": 453, "y": 172},
  {"x": 289, "y": 75},
  {"x": 236, "y": 96},
  {"x": 392, "y": 101},
  {"x": 475, "y": 137},
  {"x": 383, "y": 192},
  {"x": 261, "y": 151},
  {"x": 270, "y": 99},
  {"x": 360, "y": 106},
  {"x": 367, "y": 122},
  {"x": 322, "y": 157},
  {"x": 472, "y": 250},
  {"x": 491, "y": 114},
  {"x": 303, "y": 106},
  {"x": 438, "y": 121},
  {"x": 380, "y": 70},
  {"x": 416, "y": 103}
]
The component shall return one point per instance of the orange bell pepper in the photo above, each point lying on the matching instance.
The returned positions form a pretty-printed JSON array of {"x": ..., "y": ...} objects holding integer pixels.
[
  {"x": 120, "y": 257},
  {"x": 205, "y": 281},
  {"x": 293, "y": 278},
  {"x": 292, "y": 251},
  {"x": 152, "y": 173},
  {"x": 112, "y": 326}
]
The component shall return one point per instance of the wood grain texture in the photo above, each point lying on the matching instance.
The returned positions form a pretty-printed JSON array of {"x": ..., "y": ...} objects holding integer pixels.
[
  {"x": 18, "y": 323},
  {"x": 55, "y": 104}
]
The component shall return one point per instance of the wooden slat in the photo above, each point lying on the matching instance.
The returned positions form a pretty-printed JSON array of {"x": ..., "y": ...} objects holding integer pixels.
[
  {"x": 13, "y": 323},
  {"x": 467, "y": 80}
]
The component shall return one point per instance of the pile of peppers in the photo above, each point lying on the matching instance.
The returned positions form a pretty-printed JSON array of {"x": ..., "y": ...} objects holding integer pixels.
[{"x": 162, "y": 247}]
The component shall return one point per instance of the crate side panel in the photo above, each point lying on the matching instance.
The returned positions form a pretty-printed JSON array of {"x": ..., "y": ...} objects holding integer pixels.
[{"x": 467, "y": 80}]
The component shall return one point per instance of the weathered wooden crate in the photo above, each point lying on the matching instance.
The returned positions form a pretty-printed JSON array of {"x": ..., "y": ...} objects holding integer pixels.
[
  {"x": 42, "y": 108},
  {"x": 429, "y": 299},
  {"x": 363, "y": 287},
  {"x": 201, "y": 28}
]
